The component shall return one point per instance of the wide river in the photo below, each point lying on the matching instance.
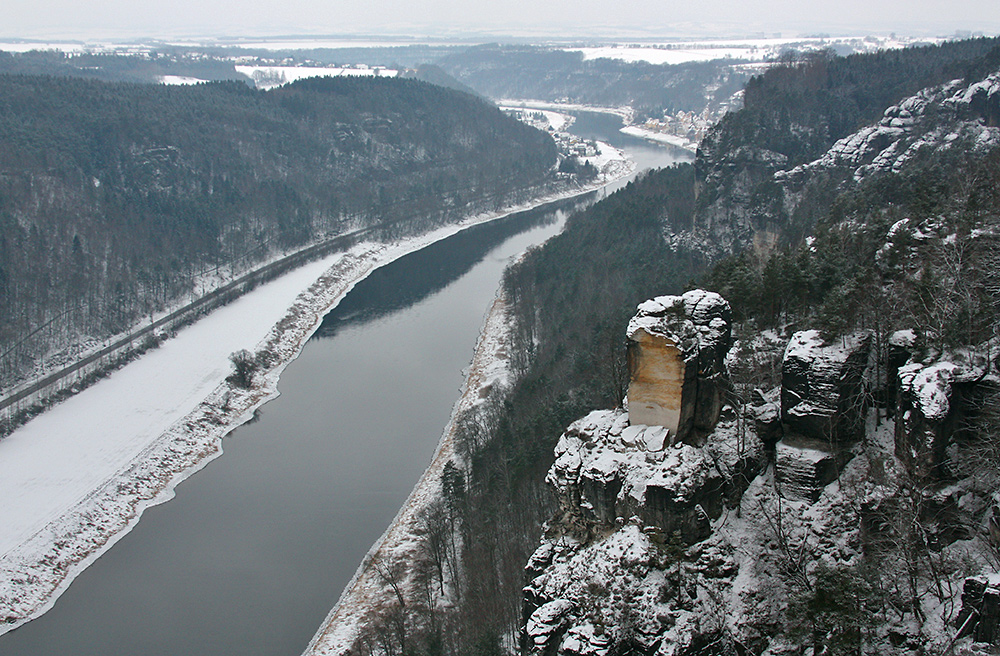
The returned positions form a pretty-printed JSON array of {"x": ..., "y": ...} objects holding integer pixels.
[{"x": 255, "y": 549}]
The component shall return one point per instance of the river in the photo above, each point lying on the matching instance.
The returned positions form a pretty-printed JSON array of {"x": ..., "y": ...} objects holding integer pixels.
[{"x": 255, "y": 549}]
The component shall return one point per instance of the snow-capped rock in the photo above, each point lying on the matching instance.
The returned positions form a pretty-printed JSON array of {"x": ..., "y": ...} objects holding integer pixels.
[
  {"x": 546, "y": 623},
  {"x": 928, "y": 411},
  {"x": 822, "y": 387},
  {"x": 606, "y": 472}
]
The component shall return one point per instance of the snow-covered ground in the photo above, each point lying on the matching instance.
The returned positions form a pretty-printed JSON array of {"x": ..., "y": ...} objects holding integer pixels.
[
  {"x": 747, "y": 50},
  {"x": 673, "y": 55},
  {"x": 179, "y": 80},
  {"x": 661, "y": 137},
  {"x": 555, "y": 114},
  {"x": 557, "y": 120},
  {"x": 76, "y": 478},
  {"x": 266, "y": 77},
  {"x": 309, "y": 43},
  {"x": 27, "y": 46},
  {"x": 624, "y": 111}
]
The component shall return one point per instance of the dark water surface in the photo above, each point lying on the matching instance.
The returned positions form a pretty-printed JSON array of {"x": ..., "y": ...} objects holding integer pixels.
[{"x": 254, "y": 550}]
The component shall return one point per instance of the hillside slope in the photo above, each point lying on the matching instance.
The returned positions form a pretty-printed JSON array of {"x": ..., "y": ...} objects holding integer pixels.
[
  {"x": 845, "y": 501},
  {"x": 118, "y": 199}
]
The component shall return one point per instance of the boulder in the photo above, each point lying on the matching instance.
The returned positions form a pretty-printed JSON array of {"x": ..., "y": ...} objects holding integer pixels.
[
  {"x": 805, "y": 466},
  {"x": 766, "y": 414},
  {"x": 676, "y": 351},
  {"x": 823, "y": 386}
]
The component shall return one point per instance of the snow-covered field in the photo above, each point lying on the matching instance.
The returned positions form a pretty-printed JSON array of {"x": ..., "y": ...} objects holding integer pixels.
[
  {"x": 27, "y": 46},
  {"x": 654, "y": 55},
  {"x": 557, "y": 120},
  {"x": 75, "y": 479},
  {"x": 309, "y": 43},
  {"x": 179, "y": 80}
]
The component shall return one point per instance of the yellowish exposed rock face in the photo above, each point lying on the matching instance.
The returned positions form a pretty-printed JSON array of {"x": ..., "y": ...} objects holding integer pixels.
[
  {"x": 676, "y": 347},
  {"x": 657, "y": 381}
]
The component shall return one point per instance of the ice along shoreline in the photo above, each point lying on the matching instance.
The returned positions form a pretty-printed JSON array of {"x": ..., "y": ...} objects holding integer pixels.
[{"x": 40, "y": 557}]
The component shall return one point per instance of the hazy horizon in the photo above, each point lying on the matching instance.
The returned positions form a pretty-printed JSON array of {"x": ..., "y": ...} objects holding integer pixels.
[{"x": 450, "y": 19}]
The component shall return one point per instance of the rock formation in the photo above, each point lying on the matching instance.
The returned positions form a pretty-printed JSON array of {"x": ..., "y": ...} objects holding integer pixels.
[
  {"x": 823, "y": 407},
  {"x": 607, "y": 472},
  {"x": 930, "y": 409},
  {"x": 980, "y": 616},
  {"x": 822, "y": 386},
  {"x": 676, "y": 351},
  {"x": 805, "y": 466}
]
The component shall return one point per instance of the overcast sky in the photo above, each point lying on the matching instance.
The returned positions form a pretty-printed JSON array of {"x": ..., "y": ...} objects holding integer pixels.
[{"x": 166, "y": 18}]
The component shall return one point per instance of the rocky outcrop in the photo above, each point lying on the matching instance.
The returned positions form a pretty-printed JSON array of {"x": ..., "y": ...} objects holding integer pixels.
[
  {"x": 804, "y": 467},
  {"x": 953, "y": 114},
  {"x": 607, "y": 472},
  {"x": 630, "y": 589},
  {"x": 822, "y": 386},
  {"x": 629, "y": 504},
  {"x": 980, "y": 616},
  {"x": 930, "y": 409},
  {"x": 676, "y": 352},
  {"x": 546, "y": 625}
]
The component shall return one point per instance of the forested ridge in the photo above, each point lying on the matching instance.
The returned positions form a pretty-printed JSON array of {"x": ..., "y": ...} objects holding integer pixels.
[
  {"x": 908, "y": 249},
  {"x": 116, "y": 197},
  {"x": 559, "y": 75}
]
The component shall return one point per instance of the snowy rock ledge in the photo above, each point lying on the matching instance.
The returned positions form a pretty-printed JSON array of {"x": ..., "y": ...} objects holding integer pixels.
[{"x": 607, "y": 471}]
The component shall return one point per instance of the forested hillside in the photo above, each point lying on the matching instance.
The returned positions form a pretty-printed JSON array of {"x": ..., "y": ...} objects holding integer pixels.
[
  {"x": 116, "y": 199},
  {"x": 119, "y": 68},
  {"x": 853, "y": 196},
  {"x": 793, "y": 114},
  {"x": 558, "y": 75}
]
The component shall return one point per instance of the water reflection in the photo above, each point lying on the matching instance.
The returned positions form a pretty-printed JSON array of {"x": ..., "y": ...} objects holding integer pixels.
[{"x": 419, "y": 275}]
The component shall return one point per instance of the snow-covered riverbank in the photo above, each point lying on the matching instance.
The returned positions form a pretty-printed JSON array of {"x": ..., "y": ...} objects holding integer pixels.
[
  {"x": 661, "y": 137},
  {"x": 625, "y": 112},
  {"x": 367, "y": 593},
  {"x": 77, "y": 478}
]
